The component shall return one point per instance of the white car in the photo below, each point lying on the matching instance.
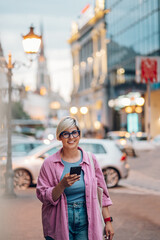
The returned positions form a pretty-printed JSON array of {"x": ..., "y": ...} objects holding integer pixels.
[
  {"x": 140, "y": 142},
  {"x": 112, "y": 161},
  {"x": 156, "y": 140},
  {"x": 20, "y": 147},
  {"x": 122, "y": 138}
]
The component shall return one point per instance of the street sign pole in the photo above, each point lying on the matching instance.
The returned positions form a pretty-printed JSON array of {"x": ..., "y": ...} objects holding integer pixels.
[
  {"x": 148, "y": 72},
  {"x": 149, "y": 111}
]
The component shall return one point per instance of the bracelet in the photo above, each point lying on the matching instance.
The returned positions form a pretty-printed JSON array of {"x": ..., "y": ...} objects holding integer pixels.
[{"x": 109, "y": 219}]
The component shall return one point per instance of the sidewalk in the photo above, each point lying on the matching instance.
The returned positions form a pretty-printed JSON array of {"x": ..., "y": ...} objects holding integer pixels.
[
  {"x": 20, "y": 217},
  {"x": 144, "y": 171}
]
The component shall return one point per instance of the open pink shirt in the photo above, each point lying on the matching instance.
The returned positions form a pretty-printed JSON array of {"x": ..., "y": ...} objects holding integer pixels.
[{"x": 55, "y": 214}]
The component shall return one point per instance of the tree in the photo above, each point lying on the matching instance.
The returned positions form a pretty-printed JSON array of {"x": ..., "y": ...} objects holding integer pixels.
[{"x": 18, "y": 112}]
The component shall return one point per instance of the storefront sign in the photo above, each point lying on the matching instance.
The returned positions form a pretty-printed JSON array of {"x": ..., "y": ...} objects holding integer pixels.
[
  {"x": 86, "y": 14},
  {"x": 147, "y": 69}
]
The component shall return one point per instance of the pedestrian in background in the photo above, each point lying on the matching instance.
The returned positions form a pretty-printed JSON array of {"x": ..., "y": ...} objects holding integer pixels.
[{"x": 70, "y": 208}]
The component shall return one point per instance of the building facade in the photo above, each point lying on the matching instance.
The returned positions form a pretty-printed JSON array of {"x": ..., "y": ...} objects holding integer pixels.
[
  {"x": 43, "y": 83},
  {"x": 88, "y": 47},
  {"x": 133, "y": 29}
]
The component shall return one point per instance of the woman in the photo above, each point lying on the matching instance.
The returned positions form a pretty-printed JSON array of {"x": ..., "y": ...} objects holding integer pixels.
[{"x": 70, "y": 208}]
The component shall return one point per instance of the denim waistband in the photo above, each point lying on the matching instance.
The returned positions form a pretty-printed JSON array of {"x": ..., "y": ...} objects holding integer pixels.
[{"x": 76, "y": 204}]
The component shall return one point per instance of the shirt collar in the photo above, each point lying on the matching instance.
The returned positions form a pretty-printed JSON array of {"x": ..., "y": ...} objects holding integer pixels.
[{"x": 57, "y": 156}]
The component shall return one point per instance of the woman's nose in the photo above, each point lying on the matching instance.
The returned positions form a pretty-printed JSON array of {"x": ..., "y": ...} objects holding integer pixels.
[{"x": 71, "y": 136}]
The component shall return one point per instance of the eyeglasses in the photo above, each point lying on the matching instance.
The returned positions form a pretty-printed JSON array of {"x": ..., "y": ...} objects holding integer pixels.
[{"x": 74, "y": 133}]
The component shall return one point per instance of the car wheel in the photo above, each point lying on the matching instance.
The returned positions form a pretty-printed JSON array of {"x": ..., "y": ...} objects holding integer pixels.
[
  {"x": 22, "y": 179},
  {"x": 111, "y": 176}
]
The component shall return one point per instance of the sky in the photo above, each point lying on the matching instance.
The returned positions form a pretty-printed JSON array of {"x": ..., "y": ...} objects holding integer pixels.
[{"x": 56, "y": 16}]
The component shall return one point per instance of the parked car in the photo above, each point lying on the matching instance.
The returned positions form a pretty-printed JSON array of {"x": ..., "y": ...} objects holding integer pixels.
[
  {"x": 112, "y": 161},
  {"x": 140, "y": 142},
  {"x": 20, "y": 146},
  {"x": 122, "y": 139},
  {"x": 156, "y": 140}
]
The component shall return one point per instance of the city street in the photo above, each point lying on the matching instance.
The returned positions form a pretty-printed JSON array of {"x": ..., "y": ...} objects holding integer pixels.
[
  {"x": 135, "y": 210},
  {"x": 87, "y": 74}
]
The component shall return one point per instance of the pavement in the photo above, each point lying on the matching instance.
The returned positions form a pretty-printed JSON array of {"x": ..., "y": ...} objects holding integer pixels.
[
  {"x": 144, "y": 171},
  {"x": 135, "y": 216},
  {"x": 20, "y": 217}
]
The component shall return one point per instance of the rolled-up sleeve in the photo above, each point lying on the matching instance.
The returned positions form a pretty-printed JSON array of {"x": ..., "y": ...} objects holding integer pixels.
[
  {"x": 106, "y": 201},
  {"x": 44, "y": 188}
]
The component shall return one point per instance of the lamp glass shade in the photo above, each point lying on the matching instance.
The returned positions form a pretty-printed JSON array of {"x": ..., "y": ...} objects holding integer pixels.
[
  {"x": 31, "y": 45},
  {"x": 31, "y": 42}
]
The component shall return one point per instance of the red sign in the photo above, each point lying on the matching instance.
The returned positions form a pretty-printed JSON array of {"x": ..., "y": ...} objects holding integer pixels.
[
  {"x": 149, "y": 70},
  {"x": 85, "y": 8}
]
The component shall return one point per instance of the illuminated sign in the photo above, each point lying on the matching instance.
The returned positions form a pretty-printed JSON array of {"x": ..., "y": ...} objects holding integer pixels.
[
  {"x": 131, "y": 99},
  {"x": 86, "y": 14},
  {"x": 147, "y": 69}
]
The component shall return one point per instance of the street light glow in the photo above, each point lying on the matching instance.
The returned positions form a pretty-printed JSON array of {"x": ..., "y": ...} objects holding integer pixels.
[
  {"x": 31, "y": 42},
  {"x": 97, "y": 125},
  {"x": 140, "y": 101},
  {"x": 31, "y": 45},
  {"x": 84, "y": 110},
  {"x": 128, "y": 109},
  {"x": 111, "y": 103},
  {"x": 73, "y": 110},
  {"x": 120, "y": 71},
  {"x": 138, "y": 109}
]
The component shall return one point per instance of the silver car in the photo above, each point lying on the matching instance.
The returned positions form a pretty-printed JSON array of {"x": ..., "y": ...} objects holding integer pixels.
[
  {"x": 20, "y": 147},
  {"x": 112, "y": 161}
]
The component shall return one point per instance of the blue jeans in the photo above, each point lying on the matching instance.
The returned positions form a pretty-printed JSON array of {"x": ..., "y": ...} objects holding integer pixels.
[{"x": 78, "y": 221}]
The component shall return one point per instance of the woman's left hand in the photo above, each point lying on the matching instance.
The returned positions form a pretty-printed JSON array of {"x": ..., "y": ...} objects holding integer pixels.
[{"x": 109, "y": 230}]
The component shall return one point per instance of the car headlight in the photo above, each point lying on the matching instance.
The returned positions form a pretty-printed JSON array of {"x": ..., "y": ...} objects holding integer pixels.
[
  {"x": 123, "y": 142},
  {"x": 46, "y": 141},
  {"x": 50, "y": 137}
]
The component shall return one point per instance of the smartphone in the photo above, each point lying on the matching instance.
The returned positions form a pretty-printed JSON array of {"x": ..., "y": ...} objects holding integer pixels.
[{"x": 76, "y": 170}]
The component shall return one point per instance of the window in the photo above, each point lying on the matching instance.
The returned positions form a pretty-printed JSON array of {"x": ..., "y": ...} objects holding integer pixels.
[
  {"x": 53, "y": 150},
  {"x": 21, "y": 147},
  {"x": 93, "y": 147},
  {"x": 34, "y": 145}
]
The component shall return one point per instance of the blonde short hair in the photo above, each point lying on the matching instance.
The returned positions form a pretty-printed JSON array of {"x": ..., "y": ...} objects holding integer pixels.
[{"x": 66, "y": 122}]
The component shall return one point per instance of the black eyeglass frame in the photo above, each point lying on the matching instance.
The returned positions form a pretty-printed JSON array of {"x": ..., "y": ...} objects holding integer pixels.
[{"x": 70, "y": 133}]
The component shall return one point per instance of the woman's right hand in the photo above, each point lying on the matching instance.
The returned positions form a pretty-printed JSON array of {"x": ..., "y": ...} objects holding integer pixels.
[{"x": 69, "y": 179}]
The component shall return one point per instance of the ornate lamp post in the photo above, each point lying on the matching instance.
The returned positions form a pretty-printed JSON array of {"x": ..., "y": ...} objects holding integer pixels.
[{"x": 31, "y": 44}]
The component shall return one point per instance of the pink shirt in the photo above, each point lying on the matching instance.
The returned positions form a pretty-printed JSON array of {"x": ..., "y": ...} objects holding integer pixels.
[{"x": 55, "y": 214}]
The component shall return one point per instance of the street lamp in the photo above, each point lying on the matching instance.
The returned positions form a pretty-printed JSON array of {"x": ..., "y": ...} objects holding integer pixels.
[{"x": 31, "y": 44}]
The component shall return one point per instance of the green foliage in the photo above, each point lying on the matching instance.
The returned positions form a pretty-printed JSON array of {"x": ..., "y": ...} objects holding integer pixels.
[{"x": 18, "y": 112}]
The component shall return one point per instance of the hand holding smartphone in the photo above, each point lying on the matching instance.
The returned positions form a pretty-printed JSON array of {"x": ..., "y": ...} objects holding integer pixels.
[{"x": 76, "y": 170}]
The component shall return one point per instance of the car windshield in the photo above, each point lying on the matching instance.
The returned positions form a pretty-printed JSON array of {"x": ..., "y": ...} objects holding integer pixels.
[
  {"x": 44, "y": 147},
  {"x": 119, "y": 137},
  {"x": 141, "y": 138},
  {"x": 37, "y": 149},
  {"x": 93, "y": 147}
]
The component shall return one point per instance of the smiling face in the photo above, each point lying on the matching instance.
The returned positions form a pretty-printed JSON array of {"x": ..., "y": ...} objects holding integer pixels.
[{"x": 73, "y": 139}]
